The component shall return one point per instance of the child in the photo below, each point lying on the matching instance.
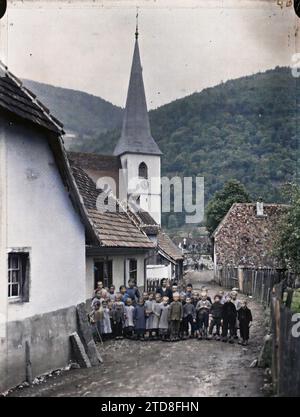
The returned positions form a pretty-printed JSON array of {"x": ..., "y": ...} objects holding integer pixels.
[
  {"x": 229, "y": 315},
  {"x": 163, "y": 322},
  {"x": 182, "y": 299},
  {"x": 156, "y": 309},
  {"x": 189, "y": 291},
  {"x": 96, "y": 317},
  {"x": 145, "y": 296},
  {"x": 237, "y": 303},
  {"x": 105, "y": 324},
  {"x": 202, "y": 310},
  {"x": 133, "y": 292},
  {"x": 118, "y": 315},
  {"x": 129, "y": 324},
  {"x": 149, "y": 314},
  {"x": 99, "y": 287},
  {"x": 123, "y": 292},
  {"x": 216, "y": 312},
  {"x": 111, "y": 293},
  {"x": 96, "y": 299},
  {"x": 189, "y": 317},
  {"x": 245, "y": 322},
  {"x": 139, "y": 318},
  {"x": 175, "y": 316}
]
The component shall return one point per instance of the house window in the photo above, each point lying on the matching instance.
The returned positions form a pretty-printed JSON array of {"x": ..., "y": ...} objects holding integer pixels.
[
  {"x": 143, "y": 170},
  {"x": 133, "y": 270},
  {"x": 18, "y": 276},
  {"x": 103, "y": 272}
]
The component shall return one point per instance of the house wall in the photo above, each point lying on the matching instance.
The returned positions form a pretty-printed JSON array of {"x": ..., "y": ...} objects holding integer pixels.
[
  {"x": 40, "y": 217},
  {"x": 151, "y": 196},
  {"x": 118, "y": 262}
]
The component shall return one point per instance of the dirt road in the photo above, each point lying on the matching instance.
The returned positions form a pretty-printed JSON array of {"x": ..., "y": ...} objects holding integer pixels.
[{"x": 185, "y": 368}]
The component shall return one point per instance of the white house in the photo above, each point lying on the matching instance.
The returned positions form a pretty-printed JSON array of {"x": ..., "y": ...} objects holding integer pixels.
[{"x": 43, "y": 232}]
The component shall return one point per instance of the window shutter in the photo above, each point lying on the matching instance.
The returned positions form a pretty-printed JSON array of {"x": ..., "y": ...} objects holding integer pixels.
[{"x": 25, "y": 278}]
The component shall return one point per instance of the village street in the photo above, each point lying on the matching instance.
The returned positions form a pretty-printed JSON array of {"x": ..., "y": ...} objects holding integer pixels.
[{"x": 185, "y": 368}]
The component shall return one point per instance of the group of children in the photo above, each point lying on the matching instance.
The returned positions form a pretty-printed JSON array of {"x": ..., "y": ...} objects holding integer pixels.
[{"x": 169, "y": 314}]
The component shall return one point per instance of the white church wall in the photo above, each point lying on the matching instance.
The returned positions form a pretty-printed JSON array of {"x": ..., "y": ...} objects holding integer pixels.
[{"x": 150, "y": 196}]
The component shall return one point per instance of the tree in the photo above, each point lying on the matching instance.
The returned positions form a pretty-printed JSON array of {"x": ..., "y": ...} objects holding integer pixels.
[
  {"x": 287, "y": 246},
  {"x": 232, "y": 192}
]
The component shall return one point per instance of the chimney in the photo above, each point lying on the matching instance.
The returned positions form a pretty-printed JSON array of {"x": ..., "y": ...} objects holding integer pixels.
[{"x": 260, "y": 208}]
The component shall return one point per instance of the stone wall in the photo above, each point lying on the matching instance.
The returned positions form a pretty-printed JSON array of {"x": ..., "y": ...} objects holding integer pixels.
[{"x": 48, "y": 338}]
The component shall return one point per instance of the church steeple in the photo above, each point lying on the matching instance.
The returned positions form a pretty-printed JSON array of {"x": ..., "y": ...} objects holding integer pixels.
[{"x": 136, "y": 134}]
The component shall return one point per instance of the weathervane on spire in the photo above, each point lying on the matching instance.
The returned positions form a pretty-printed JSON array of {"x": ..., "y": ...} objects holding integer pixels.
[{"x": 137, "y": 23}]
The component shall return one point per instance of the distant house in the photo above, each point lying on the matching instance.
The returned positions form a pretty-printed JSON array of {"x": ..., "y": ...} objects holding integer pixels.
[{"x": 246, "y": 235}]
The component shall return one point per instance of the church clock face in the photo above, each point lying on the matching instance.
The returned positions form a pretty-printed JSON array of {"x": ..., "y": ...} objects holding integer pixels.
[{"x": 3, "y": 6}]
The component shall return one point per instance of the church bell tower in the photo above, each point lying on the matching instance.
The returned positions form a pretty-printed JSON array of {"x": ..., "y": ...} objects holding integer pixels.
[{"x": 140, "y": 155}]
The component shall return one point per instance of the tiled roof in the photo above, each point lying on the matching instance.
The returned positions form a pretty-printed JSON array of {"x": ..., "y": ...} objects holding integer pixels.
[
  {"x": 17, "y": 99},
  {"x": 114, "y": 229},
  {"x": 147, "y": 223},
  {"x": 166, "y": 244},
  {"x": 245, "y": 239}
]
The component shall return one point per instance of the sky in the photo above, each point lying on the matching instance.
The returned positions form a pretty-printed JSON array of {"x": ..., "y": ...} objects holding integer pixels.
[{"x": 185, "y": 45}]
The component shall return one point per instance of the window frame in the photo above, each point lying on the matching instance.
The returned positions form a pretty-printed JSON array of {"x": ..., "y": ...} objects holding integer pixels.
[
  {"x": 132, "y": 270},
  {"x": 143, "y": 166},
  {"x": 23, "y": 274}
]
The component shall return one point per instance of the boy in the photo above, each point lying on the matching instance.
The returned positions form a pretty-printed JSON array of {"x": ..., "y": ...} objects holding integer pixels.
[
  {"x": 111, "y": 293},
  {"x": 163, "y": 322},
  {"x": 129, "y": 324},
  {"x": 149, "y": 314},
  {"x": 189, "y": 317},
  {"x": 118, "y": 316},
  {"x": 96, "y": 317},
  {"x": 156, "y": 309},
  {"x": 202, "y": 311},
  {"x": 132, "y": 292},
  {"x": 245, "y": 321},
  {"x": 139, "y": 318},
  {"x": 229, "y": 315},
  {"x": 99, "y": 287},
  {"x": 189, "y": 291},
  {"x": 216, "y": 313},
  {"x": 175, "y": 316},
  {"x": 237, "y": 304}
]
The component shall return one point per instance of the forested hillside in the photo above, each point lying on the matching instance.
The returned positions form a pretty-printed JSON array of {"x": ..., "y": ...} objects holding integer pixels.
[{"x": 244, "y": 129}]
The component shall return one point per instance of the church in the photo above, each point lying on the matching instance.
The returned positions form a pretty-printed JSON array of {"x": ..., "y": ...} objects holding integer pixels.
[
  {"x": 55, "y": 243},
  {"x": 135, "y": 167}
]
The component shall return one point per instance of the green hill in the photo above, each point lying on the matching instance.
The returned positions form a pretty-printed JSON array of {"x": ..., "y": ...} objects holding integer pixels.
[
  {"x": 81, "y": 113},
  {"x": 244, "y": 129}
]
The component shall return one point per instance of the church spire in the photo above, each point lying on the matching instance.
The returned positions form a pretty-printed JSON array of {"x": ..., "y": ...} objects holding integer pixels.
[{"x": 136, "y": 134}]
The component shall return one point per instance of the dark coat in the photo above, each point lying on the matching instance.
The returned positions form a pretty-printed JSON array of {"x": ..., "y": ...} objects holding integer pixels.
[
  {"x": 229, "y": 312},
  {"x": 244, "y": 315},
  {"x": 164, "y": 292},
  {"x": 217, "y": 310},
  {"x": 139, "y": 317}
]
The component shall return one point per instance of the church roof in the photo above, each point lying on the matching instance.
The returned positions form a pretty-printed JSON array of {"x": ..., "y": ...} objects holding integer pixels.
[
  {"x": 136, "y": 134},
  {"x": 17, "y": 99}
]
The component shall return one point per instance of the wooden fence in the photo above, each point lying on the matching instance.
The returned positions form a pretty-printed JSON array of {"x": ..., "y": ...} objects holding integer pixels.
[
  {"x": 274, "y": 288},
  {"x": 286, "y": 347},
  {"x": 257, "y": 283}
]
